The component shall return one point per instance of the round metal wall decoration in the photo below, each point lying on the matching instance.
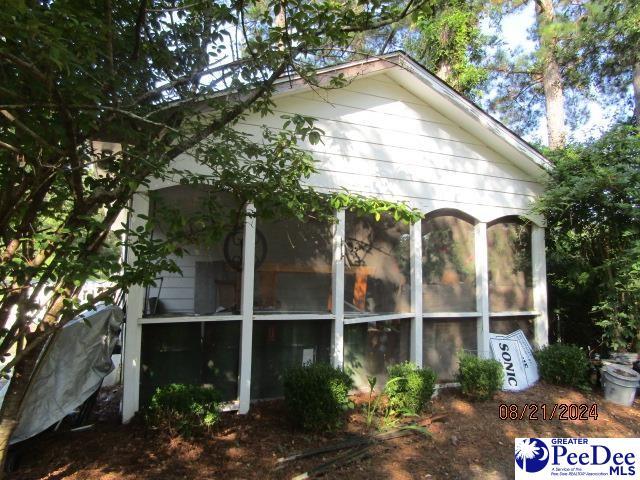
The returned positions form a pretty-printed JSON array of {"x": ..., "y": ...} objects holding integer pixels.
[
  {"x": 357, "y": 249},
  {"x": 233, "y": 244}
]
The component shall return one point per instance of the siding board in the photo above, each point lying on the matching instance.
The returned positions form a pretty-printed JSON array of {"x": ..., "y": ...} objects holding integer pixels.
[{"x": 381, "y": 140}]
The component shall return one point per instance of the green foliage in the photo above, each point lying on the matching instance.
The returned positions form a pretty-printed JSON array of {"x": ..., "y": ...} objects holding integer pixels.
[
  {"x": 409, "y": 388},
  {"x": 450, "y": 43},
  {"x": 591, "y": 205},
  {"x": 519, "y": 94},
  {"x": 563, "y": 364},
  {"x": 480, "y": 379},
  {"x": 149, "y": 80},
  {"x": 317, "y": 396},
  {"x": 187, "y": 409},
  {"x": 607, "y": 41},
  {"x": 363, "y": 206},
  {"x": 372, "y": 406}
]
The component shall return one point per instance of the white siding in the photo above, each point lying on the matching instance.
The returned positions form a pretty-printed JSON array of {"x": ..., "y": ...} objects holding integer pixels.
[{"x": 381, "y": 140}]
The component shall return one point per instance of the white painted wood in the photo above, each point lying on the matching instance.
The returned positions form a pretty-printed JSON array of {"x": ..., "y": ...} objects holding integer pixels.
[
  {"x": 292, "y": 316},
  {"x": 415, "y": 246},
  {"x": 515, "y": 313},
  {"x": 246, "y": 310},
  {"x": 450, "y": 314},
  {"x": 323, "y": 110},
  {"x": 426, "y": 206},
  {"x": 482, "y": 288},
  {"x": 337, "y": 291},
  {"x": 377, "y": 318},
  {"x": 401, "y": 154},
  {"x": 455, "y": 195},
  {"x": 468, "y": 116},
  {"x": 539, "y": 264},
  {"x": 365, "y": 101},
  {"x": 188, "y": 319},
  {"x": 231, "y": 406},
  {"x": 424, "y": 175},
  {"x": 133, "y": 330},
  {"x": 385, "y": 137}
]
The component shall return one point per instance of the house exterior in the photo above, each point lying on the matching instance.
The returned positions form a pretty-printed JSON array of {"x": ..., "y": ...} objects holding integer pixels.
[{"x": 361, "y": 294}]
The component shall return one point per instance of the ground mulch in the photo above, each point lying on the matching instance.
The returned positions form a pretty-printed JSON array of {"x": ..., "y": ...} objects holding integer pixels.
[{"x": 468, "y": 441}]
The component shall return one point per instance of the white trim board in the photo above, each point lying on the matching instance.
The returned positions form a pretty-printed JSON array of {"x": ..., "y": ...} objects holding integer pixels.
[
  {"x": 527, "y": 313},
  {"x": 450, "y": 314},
  {"x": 377, "y": 318},
  {"x": 188, "y": 319}
]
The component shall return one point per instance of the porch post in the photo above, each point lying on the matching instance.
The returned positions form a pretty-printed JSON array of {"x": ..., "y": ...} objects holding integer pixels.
[
  {"x": 482, "y": 288},
  {"x": 337, "y": 291},
  {"x": 246, "y": 309},
  {"x": 132, "y": 330},
  {"x": 415, "y": 246},
  {"x": 539, "y": 266}
]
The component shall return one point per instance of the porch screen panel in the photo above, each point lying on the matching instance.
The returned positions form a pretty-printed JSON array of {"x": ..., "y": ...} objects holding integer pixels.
[
  {"x": 507, "y": 325},
  {"x": 221, "y": 357},
  {"x": 370, "y": 348},
  {"x": 192, "y": 353},
  {"x": 377, "y": 267},
  {"x": 448, "y": 265},
  {"x": 209, "y": 280},
  {"x": 293, "y": 273},
  {"x": 510, "y": 275},
  {"x": 443, "y": 340},
  {"x": 281, "y": 345}
]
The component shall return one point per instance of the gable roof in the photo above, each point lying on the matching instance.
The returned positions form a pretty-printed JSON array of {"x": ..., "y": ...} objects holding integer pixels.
[{"x": 419, "y": 81}]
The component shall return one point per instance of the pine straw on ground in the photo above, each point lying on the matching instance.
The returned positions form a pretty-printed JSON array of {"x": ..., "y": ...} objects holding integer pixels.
[{"x": 469, "y": 441}]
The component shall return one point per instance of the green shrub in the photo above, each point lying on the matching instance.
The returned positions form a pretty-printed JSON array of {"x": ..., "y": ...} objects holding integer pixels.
[
  {"x": 187, "y": 409},
  {"x": 479, "y": 378},
  {"x": 317, "y": 395},
  {"x": 409, "y": 387},
  {"x": 563, "y": 364}
]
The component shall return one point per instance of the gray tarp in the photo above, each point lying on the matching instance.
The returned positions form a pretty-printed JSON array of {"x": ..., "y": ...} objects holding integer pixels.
[{"x": 70, "y": 370}]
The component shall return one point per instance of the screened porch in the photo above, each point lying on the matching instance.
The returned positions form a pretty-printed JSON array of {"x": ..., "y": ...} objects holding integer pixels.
[{"x": 358, "y": 292}]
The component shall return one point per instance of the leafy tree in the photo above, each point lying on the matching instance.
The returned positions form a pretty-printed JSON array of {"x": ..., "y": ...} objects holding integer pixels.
[
  {"x": 592, "y": 209},
  {"x": 162, "y": 79},
  {"x": 608, "y": 43},
  {"x": 447, "y": 39},
  {"x": 531, "y": 85}
]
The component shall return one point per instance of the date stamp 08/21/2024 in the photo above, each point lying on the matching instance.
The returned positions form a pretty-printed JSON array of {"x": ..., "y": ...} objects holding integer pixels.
[{"x": 557, "y": 411}]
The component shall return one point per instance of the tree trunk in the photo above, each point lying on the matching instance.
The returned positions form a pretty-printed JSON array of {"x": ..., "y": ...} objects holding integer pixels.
[
  {"x": 444, "y": 70},
  {"x": 551, "y": 78},
  {"x": 636, "y": 93},
  {"x": 10, "y": 412}
]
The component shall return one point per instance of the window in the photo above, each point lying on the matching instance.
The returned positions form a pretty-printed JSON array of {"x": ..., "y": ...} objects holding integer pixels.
[
  {"x": 510, "y": 275},
  {"x": 377, "y": 268},
  {"x": 210, "y": 280},
  {"x": 202, "y": 353},
  {"x": 280, "y": 345},
  {"x": 448, "y": 265},
  {"x": 507, "y": 325},
  {"x": 443, "y": 340},
  {"x": 294, "y": 273},
  {"x": 370, "y": 348}
]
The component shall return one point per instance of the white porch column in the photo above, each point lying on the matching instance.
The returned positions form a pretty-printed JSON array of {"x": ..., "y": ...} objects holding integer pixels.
[
  {"x": 132, "y": 330},
  {"x": 415, "y": 246},
  {"x": 337, "y": 291},
  {"x": 246, "y": 309},
  {"x": 482, "y": 288},
  {"x": 539, "y": 265}
]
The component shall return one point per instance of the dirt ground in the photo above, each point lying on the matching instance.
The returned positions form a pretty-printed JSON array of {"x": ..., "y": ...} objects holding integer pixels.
[{"x": 468, "y": 441}]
